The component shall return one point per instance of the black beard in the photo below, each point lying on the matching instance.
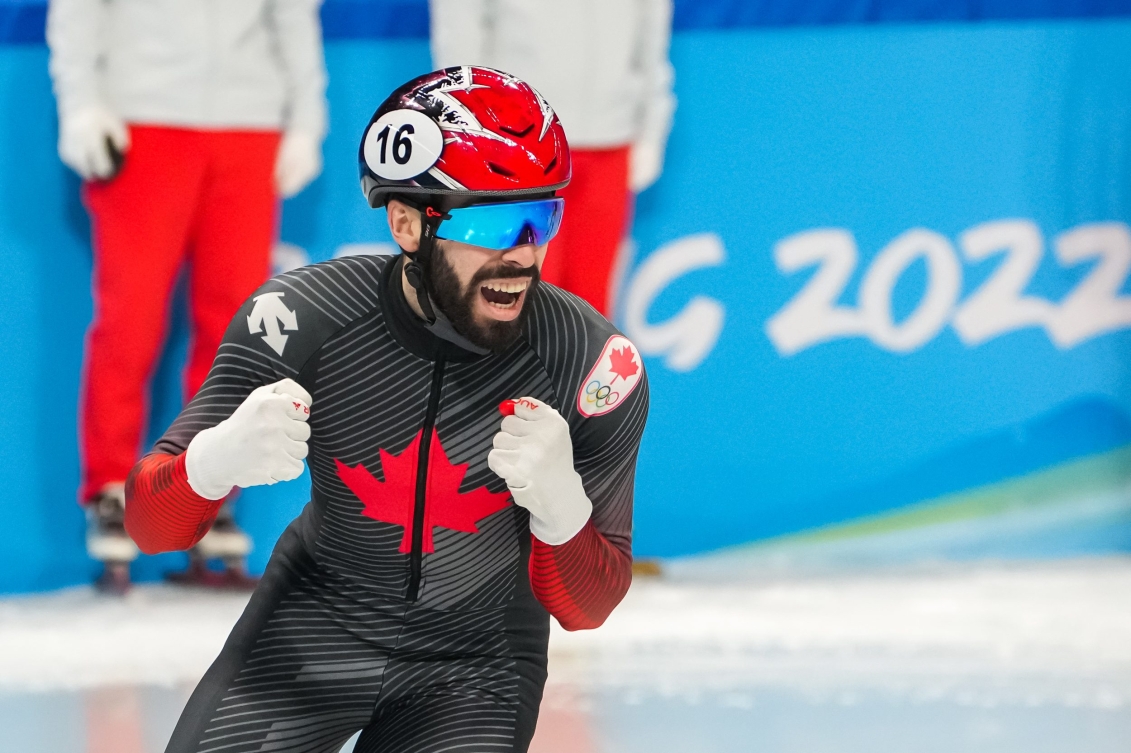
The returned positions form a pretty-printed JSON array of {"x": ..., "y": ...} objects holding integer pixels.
[{"x": 458, "y": 303}]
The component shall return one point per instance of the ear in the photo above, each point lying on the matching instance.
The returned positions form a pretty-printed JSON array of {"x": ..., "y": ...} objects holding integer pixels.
[{"x": 404, "y": 224}]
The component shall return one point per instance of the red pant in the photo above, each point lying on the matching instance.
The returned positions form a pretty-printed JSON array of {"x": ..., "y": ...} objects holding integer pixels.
[
  {"x": 202, "y": 197},
  {"x": 582, "y": 256}
]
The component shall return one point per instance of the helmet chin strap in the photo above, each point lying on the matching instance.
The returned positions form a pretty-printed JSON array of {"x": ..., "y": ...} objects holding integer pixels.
[{"x": 419, "y": 265}]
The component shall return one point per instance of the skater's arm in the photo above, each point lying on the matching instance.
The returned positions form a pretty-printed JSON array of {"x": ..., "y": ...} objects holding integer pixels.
[
  {"x": 164, "y": 514},
  {"x": 581, "y": 581},
  {"x": 262, "y": 442},
  {"x": 605, "y": 398},
  {"x": 576, "y": 479}
]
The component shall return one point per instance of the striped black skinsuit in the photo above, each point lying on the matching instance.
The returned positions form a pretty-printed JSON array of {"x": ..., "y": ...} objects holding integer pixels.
[{"x": 356, "y": 625}]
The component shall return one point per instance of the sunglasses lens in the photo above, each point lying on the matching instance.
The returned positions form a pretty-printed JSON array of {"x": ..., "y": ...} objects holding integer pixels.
[{"x": 503, "y": 226}]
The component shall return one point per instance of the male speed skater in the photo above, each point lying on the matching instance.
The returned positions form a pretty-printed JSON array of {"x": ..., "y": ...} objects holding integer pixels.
[{"x": 471, "y": 435}]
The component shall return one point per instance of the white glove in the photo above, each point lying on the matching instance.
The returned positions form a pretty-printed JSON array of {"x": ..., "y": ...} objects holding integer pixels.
[
  {"x": 534, "y": 455},
  {"x": 645, "y": 163},
  {"x": 299, "y": 161},
  {"x": 263, "y": 442},
  {"x": 82, "y": 141}
]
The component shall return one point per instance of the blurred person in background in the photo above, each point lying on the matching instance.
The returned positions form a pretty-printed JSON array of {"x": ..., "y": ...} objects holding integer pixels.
[
  {"x": 187, "y": 120},
  {"x": 604, "y": 64}
]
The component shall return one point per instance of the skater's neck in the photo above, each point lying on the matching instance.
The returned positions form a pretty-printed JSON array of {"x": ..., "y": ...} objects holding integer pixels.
[{"x": 409, "y": 328}]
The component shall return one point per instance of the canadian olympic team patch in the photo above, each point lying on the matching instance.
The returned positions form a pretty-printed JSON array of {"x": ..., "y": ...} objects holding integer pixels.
[{"x": 612, "y": 379}]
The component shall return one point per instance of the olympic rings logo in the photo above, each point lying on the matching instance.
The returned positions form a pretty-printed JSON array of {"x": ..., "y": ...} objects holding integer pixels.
[{"x": 601, "y": 395}]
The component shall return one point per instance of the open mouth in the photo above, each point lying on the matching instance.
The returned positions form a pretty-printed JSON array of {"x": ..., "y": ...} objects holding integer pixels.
[{"x": 503, "y": 294}]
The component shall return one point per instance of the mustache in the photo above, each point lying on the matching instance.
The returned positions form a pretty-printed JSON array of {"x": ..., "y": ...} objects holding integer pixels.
[{"x": 502, "y": 272}]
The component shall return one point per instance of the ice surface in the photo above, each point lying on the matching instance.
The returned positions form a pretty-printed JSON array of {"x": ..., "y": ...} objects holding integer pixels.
[
  {"x": 79, "y": 639},
  {"x": 1029, "y": 626},
  {"x": 1033, "y": 633},
  {"x": 1018, "y": 657}
]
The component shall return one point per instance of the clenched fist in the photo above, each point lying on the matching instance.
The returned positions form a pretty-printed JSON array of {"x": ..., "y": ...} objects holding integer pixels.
[
  {"x": 533, "y": 453},
  {"x": 263, "y": 442}
]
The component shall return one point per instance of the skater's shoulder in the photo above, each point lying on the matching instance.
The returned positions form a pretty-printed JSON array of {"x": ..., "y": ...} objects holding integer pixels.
[
  {"x": 352, "y": 279},
  {"x": 339, "y": 290},
  {"x": 597, "y": 372},
  {"x": 562, "y": 321},
  {"x": 583, "y": 351},
  {"x": 293, "y": 314}
]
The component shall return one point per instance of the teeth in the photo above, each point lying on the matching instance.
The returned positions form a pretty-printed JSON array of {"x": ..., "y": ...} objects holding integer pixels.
[{"x": 507, "y": 287}]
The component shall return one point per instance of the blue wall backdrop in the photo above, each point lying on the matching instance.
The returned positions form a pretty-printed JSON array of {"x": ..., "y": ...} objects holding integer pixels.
[{"x": 882, "y": 284}]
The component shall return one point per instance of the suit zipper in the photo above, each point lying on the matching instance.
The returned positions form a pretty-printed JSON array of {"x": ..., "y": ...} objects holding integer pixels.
[{"x": 417, "y": 555}]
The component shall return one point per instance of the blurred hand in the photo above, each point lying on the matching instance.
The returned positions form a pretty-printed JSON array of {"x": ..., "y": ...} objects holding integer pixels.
[
  {"x": 84, "y": 142},
  {"x": 533, "y": 453},
  {"x": 262, "y": 442},
  {"x": 646, "y": 162},
  {"x": 298, "y": 163}
]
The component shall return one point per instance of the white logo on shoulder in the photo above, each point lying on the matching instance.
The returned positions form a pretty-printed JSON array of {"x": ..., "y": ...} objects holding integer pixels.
[
  {"x": 402, "y": 144},
  {"x": 271, "y": 316},
  {"x": 612, "y": 379}
]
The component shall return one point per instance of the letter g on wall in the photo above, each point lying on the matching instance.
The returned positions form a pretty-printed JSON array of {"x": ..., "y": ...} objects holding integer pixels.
[{"x": 687, "y": 338}]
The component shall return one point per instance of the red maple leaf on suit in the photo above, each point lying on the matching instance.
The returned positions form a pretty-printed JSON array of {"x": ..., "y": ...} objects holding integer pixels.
[
  {"x": 623, "y": 363},
  {"x": 393, "y": 500}
]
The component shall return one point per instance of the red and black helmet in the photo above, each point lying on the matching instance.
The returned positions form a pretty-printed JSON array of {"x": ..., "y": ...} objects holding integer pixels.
[{"x": 463, "y": 134}]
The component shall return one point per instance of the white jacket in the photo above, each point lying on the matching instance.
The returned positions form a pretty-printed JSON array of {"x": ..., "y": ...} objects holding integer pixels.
[
  {"x": 602, "y": 64},
  {"x": 192, "y": 63}
]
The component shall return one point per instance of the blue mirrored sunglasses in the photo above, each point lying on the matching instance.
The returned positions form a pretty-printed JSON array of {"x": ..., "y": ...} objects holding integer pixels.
[{"x": 503, "y": 226}]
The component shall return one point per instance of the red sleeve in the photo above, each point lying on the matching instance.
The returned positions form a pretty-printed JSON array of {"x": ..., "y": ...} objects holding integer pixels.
[
  {"x": 582, "y": 580},
  {"x": 163, "y": 513}
]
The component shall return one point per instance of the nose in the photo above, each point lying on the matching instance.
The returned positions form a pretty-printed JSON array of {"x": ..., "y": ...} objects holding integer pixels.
[{"x": 521, "y": 256}]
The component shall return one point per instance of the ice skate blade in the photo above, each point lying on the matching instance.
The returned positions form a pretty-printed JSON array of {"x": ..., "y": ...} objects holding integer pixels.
[
  {"x": 114, "y": 580},
  {"x": 233, "y": 577}
]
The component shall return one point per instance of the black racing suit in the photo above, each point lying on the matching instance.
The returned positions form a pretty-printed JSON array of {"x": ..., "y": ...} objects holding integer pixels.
[{"x": 409, "y": 598}]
